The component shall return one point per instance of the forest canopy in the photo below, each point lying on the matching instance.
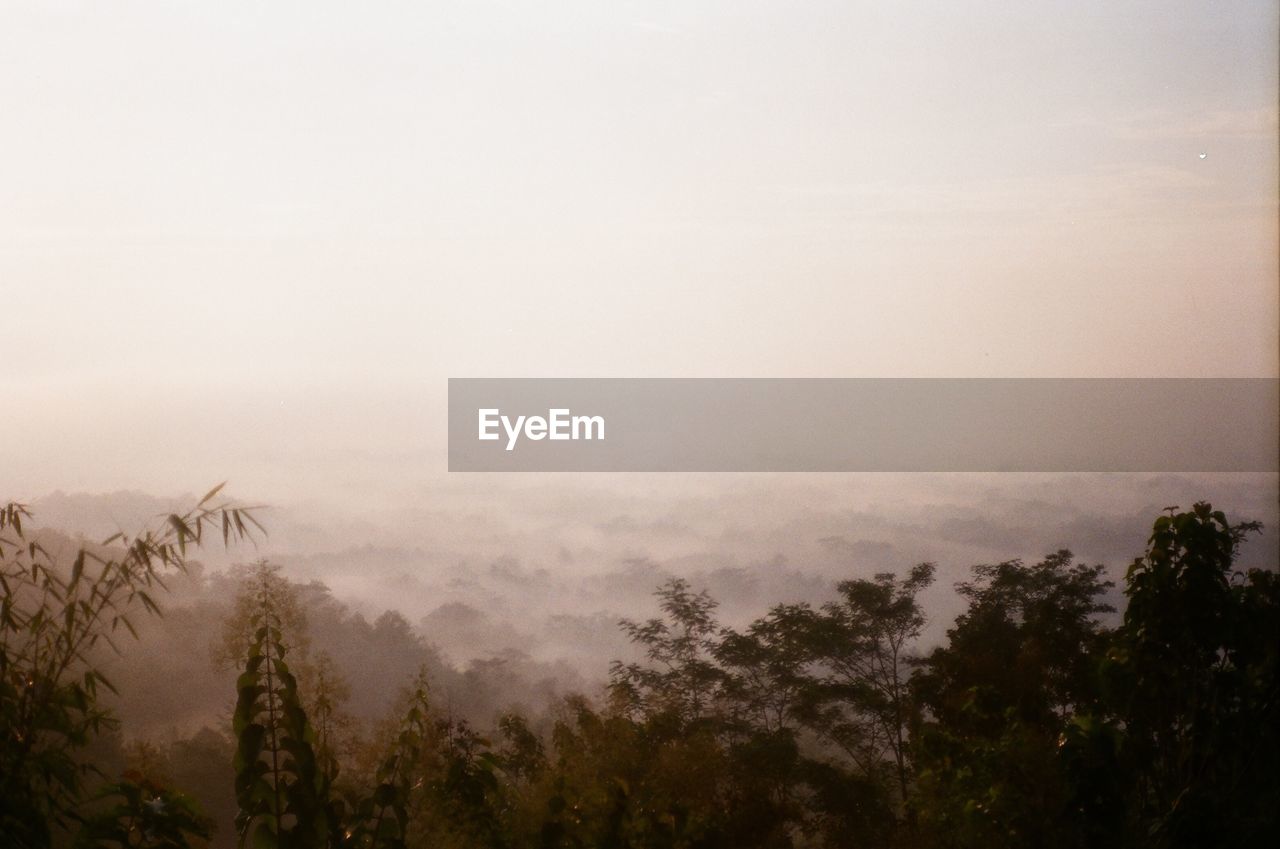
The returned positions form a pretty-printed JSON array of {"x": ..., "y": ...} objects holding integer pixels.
[{"x": 1047, "y": 717}]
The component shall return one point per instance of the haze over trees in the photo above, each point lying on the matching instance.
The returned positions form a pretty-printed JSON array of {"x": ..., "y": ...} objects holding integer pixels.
[{"x": 1053, "y": 713}]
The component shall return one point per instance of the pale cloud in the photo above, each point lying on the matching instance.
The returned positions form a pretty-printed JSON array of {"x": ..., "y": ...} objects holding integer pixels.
[
  {"x": 1216, "y": 124},
  {"x": 1141, "y": 191}
]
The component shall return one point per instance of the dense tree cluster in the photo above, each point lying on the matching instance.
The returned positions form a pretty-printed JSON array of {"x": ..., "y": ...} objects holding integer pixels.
[{"x": 1045, "y": 719}]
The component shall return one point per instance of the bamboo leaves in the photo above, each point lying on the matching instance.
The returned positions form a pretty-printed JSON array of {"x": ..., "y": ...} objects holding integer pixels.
[{"x": 52, "y": 616}]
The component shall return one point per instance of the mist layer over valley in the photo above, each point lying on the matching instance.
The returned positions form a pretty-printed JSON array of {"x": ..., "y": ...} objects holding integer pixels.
[{"x": 510, "y": 590}]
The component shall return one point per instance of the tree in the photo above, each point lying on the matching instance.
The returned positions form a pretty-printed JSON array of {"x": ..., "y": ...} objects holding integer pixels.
[
  {"x": 862, "y": 645},
  {"x": 1019, "y": 661},
  {"x": 682, "y": 677},
  {"x": 282, "y": 790},
  {"x": 258, "y": 584},
  {"x": 1026, "y": 643},
  {"x": 54, "y": 614},
  {"x": 325, "y": 691},
  {"x": 1182, "y": 750},
  {"x": 767, "y": 668},
  {"x": 765, "y": 675},
  {"x": 381, "y": 818},
  {"x": 618, "y": 781},
  {"x": 146, "y": 815}
]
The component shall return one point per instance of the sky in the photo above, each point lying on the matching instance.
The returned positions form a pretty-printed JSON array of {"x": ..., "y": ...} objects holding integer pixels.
[{"x": 253, "y": 240}]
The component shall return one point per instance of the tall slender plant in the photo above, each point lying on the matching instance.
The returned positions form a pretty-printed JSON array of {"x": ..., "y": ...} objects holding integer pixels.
[
  {"x": 381, "y": 820},
  {"x": 280, "y": 787}
]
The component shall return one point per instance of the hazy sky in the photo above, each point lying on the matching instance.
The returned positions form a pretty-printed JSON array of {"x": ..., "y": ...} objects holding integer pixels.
[{"x": 283, "y": 225}]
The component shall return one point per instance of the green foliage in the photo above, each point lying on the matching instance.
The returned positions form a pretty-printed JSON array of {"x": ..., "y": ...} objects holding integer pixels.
[
  {"x": 260, "y": 583},
  {"x": 617, "y": 782},
  {"x": 766, "y": 668},
  {"x": 325, "y": 691},
  {"x": 1181, "y": 751},
  {"x": 802, "y": 719},
  {"x": 681, "y": 677},
  {"x": 1032, "y": 725},
  {"x": 145, "y": 815},
  {"x": 463, "y": 803},
  {"x": 1027, "y": 643},
  {"x": 522, "y": 755},
  {"x": 381, "y": 819},
  {"x": 1016, "y": 665},
  {"x": 862, "y": 644},
  {"x": 282, "y": 791},
  {"x": 53, "y": 617}
]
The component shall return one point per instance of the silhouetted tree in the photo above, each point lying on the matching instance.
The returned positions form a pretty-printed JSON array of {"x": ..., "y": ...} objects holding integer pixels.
[
  {"x": 1018, "y": 662},
  {"x": 1182, "y": 751},
  {"x": 681, "y": 677},
  {"x": 863, "y": 646}
]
